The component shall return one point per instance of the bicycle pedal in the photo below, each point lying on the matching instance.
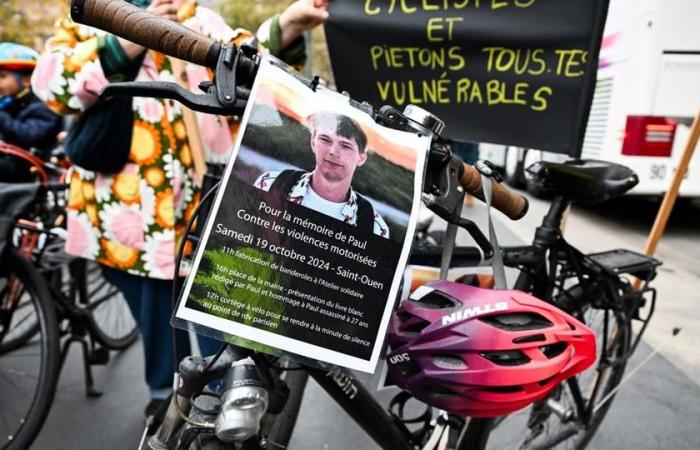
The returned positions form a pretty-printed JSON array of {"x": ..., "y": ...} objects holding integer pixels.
[{"x": 99, "y": 356}]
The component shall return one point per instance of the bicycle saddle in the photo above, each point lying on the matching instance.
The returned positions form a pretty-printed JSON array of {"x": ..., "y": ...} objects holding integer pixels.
[{"x": 583, "y": 180}]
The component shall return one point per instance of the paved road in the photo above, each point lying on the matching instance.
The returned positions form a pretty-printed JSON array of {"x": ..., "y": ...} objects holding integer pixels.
[{"x": 658, "y": 408}]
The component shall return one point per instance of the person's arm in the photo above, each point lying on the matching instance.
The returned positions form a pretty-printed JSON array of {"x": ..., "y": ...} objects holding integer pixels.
[
  {"x": 282, "y": 34},
  {"x": 68, "y": 75},
  {"x": 79, "y": 61},
  {"x": 35, "y": 127}
]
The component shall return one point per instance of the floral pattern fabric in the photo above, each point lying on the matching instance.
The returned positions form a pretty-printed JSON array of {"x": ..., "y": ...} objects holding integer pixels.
[{"x": 135, "y": 219}]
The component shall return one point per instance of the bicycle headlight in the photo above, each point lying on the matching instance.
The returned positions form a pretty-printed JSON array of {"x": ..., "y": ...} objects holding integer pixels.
[{"x": 243, "y": 402}]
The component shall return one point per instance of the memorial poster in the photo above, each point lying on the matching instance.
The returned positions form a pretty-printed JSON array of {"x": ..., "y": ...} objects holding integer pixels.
[{"x": 311, "y": 228}]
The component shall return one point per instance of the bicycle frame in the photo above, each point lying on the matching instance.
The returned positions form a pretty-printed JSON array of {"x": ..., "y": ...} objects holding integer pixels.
[
  {"x": 361, "y": 406},
  {"x": 531, "y": 259}
]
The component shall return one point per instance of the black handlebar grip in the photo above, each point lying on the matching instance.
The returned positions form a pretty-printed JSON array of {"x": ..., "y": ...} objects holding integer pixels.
[
  {"x": 137, "y": 25},
  {"x": 513, "y": 205}
]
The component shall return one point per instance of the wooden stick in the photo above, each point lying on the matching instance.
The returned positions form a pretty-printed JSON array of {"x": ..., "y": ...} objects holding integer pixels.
[
  {"x": 194, "y": 136},
  {"x": 670, "y": 198}
]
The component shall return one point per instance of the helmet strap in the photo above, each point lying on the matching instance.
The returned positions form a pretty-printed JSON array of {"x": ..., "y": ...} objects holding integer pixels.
[{"x": 499, "y": 272}]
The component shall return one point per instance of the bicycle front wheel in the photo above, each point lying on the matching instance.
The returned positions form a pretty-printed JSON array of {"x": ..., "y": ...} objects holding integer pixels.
[
  {"x": 539, "y": 426},
  {"x": 28, "y": 372},
  {"x": 111, "y": 321}
]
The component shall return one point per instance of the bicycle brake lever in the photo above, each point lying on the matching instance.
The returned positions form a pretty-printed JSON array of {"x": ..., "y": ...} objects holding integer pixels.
[
  {"x": 475, "y": 232},
  {"x": 444, "y": 195},
  {"x": 442, "y": 192},
  {"x": 222, "y": 95},
  {"x": 206, "y": 103}
]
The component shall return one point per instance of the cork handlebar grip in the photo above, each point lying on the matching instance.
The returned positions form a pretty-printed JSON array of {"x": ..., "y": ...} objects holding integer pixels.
[
  {"x": 513, "y": 205},
  {"x": 141, "y": 27}
]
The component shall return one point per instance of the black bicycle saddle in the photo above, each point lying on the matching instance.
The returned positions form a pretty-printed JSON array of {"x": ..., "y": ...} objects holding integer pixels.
[{"x": 583, "y": 180}]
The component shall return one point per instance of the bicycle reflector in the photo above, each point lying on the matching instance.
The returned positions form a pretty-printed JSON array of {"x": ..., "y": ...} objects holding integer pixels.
[{"x": 481, "y": 352}]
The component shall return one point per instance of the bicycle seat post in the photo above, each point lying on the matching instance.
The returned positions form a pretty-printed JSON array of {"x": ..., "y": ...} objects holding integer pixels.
[{"x": 550, "y": 229}]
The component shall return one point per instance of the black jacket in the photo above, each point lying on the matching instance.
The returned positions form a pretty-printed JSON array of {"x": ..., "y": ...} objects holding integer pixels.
[{"x": 28, "y": 123}]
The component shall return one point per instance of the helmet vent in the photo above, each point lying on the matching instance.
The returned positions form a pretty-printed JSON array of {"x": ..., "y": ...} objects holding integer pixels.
[
  {"x": 434, "y": 389},
  {"x": 505, "y": 389},
  {"x": 507, "y": 358},
  {"x": 544, "y": 382},
  {"x": 403, "y": 316},
  {"x": 517, "y": 321},
  {"x": 553, "y": 350},
  {"x": 449, "y": 362},
  {"x": 437, "y": 300},
  {"x": 409, "y": 368},
  {"x": 413, "y": 329},
  {"x": 530, "y": 338}
]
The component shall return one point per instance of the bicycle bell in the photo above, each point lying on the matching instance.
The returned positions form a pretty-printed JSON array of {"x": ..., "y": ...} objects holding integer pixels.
[{"x": 430, "y": 123}]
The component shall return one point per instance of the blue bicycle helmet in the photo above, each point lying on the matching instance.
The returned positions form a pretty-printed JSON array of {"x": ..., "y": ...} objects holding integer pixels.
[{"x": 17, "y": 58}]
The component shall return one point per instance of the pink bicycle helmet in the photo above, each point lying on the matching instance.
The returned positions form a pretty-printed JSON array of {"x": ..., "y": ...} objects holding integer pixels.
[{"x": 481, "y": 352}]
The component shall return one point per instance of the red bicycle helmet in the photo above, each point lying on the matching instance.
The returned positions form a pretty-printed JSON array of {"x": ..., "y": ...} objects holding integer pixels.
[{"x": 481, "y": 352}]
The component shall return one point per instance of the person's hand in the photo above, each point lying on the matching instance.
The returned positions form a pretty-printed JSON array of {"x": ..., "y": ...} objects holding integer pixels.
[
  {"x": 300, "y": 16},
  {"x": 167, "y": 9}
]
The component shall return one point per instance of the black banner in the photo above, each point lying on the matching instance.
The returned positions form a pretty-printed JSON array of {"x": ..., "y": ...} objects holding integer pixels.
[{"x": 514, "y": 72}]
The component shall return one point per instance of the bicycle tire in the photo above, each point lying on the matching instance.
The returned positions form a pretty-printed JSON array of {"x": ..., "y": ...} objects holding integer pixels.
[
  {"x": 24, "y": 324},
  {"x": 110, "y": 319},
  {"x": 491, "y": 434},
  {"x": 13, "y": 364}
]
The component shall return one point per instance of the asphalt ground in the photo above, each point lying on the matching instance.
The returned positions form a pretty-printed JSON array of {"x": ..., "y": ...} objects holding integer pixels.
[{"x": 658, "y": 408}]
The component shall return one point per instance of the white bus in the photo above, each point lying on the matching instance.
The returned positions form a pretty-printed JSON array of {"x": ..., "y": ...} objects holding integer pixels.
[{"x": 646, "y": 96}]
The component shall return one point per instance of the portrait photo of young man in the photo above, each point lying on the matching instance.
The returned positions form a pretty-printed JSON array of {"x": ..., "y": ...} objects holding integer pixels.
[{"x": 339, "y": 146}]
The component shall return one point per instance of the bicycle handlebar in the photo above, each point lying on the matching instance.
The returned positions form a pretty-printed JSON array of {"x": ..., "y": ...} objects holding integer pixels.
[
  {"x": 141, "y": 27},
  {"x": 511, "y": 204}
]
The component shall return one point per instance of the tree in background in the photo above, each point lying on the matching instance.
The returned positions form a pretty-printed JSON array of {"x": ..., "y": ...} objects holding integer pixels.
[
  {"x": 249, "y": 14},
  {"x": 29, "y": 22}
]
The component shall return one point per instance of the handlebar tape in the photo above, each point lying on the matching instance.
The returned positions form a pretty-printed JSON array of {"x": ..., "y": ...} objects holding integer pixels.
[
  {"x": 141, "y": 27},
  {"x": 503, "y": 199}
]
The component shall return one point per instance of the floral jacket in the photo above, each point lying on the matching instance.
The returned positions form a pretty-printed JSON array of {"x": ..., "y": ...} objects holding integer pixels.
[{"x": 134, "y": 220}]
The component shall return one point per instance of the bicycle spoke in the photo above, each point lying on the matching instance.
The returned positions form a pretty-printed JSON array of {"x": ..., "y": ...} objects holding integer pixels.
[
  {"x": 21, "y": 321},
  {"x": 18, "y": 388}
]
